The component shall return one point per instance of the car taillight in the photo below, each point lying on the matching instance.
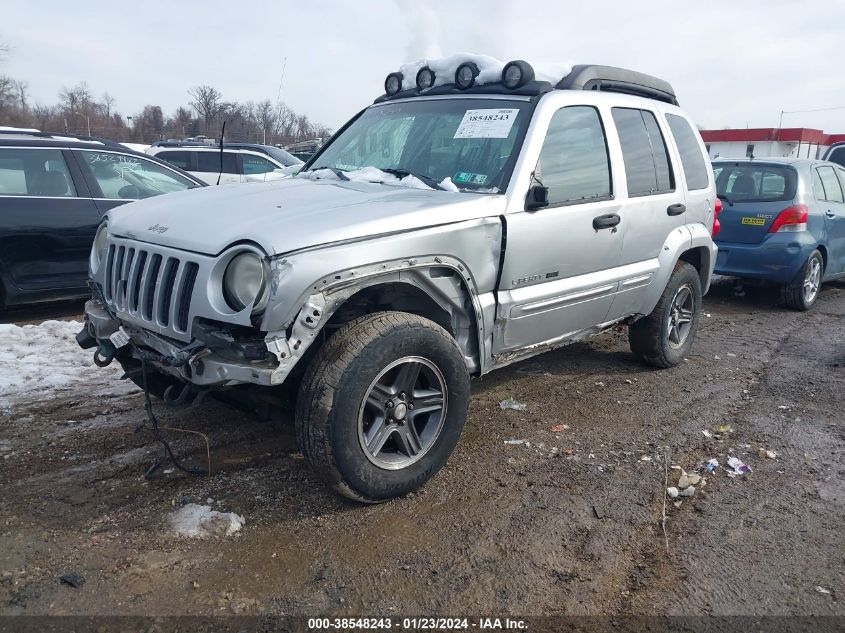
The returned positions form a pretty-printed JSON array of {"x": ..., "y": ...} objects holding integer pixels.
[
  {"x": 791, "y": 219},
  {"x": 717, "y": 209}
]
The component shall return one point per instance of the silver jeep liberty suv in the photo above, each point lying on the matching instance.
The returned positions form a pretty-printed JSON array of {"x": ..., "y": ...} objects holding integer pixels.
[{"x": 470, "y": 218}]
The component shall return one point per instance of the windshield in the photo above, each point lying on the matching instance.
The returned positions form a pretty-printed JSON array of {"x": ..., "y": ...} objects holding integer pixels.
[
  {"x": 283, "y": 157},
  {"x": 471, "y": 142},
  {"x": 755, "y": 182}
]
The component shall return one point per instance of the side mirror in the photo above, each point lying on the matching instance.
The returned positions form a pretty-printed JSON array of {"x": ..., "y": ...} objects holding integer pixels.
[
  {"x": 537, "y": 198},
  {"x": 129, "y": 192}
]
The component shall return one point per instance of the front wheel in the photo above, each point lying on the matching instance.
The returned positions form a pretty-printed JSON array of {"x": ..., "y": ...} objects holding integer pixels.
[
  {"x": 665, "y": 336},
  {"x": 802, "y": 293},
  {"x": 382, "y": 405}
]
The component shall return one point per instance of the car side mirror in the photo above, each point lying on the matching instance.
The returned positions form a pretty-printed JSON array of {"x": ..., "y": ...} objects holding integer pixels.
[
  {"x": 537, "y": 198},
  {"x": 129, "y": 192}
]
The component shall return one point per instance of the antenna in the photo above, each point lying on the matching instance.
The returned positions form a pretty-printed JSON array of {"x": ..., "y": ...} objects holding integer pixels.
[
  {"x": 279, "y": 93},
  {"x": 222, "y": 132}
]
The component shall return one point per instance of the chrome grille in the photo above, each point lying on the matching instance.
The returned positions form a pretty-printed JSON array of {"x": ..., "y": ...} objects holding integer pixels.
[{"x": 153, "y": 288}]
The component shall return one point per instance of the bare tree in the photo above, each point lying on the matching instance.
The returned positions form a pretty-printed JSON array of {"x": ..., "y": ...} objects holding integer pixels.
[
  {"x": 106, "y": 103},
  {"x": 206, "y": 102}
]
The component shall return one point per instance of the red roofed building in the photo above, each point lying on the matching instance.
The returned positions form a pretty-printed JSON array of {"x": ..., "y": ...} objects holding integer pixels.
[{"x": 795, "y": 142}]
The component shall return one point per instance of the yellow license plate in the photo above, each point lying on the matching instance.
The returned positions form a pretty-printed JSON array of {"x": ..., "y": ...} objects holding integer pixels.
[{"x": 754, "y": 221}]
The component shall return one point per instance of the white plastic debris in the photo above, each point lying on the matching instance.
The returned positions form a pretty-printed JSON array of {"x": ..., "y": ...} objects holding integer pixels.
[
  {"x": 688, "y": 492},
  {"x": 196, "y": 521},
  {"x": 706, "y": 433},
  {"x": 672, "y": 492},
  {"x": 688, "y": 479},
  {"x": 645, "y": 458},
  {"x": 510, "y": 403},
  {"x": 739, "y": 468},
  {"x": 518, "y": 442},
  {"x": 821, "y": 589}
]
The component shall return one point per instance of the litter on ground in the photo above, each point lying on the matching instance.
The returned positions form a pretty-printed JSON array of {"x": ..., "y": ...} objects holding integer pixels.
[
  {"x": 510, "y": 403},
  {"x": 688, "y": 492},
  {"x": 559, "y": 428},
  {"x": 518, "y": 442},
  {"x": 739, "y": 468},
  {"x": 196, "y": 521},
  {"x": 688, "y": 479},
  {"x": 672, "y": 492}
]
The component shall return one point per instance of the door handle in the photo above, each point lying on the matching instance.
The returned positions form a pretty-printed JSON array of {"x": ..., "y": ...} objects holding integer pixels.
[
  {"x": 830, "y": 214},
  {"x": 676, "y": 209},
  {"x": 606, "y": 221}
]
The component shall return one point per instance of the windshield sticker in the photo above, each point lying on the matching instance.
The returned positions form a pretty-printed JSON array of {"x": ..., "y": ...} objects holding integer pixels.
[
  {"x": 467, "y": 178},
  {"x": 486, "y": 123}
]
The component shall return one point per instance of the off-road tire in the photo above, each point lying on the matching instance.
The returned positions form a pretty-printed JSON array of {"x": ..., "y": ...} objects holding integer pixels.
[
  {"x": 338, "y": 379},
  {"x": 649, "y": 336},
  {"x": 792, "y": 294}
]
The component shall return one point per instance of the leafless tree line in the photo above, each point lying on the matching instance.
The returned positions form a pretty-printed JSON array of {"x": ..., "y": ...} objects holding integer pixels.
[{"x": 78, "y": 111}]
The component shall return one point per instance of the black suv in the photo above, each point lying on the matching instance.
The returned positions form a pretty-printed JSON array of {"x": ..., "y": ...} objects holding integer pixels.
[{"x": 53, "y": 191}]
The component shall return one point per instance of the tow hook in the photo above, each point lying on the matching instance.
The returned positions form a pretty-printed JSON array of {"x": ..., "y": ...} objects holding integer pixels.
[
  {"x": 104, "y": 355},
  {"x": 181, "y": 399}
]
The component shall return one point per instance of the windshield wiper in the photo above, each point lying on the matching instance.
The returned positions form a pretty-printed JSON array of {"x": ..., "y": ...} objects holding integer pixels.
[
  {"x": 402, "y": 173},
  {"x": 337, "y": 172}
]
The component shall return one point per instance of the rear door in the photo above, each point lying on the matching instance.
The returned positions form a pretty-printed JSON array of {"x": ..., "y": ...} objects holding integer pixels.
[
  {"x": 209, "y": 167},
  {"x": 829, "y": 194},
  {"x": 47, "y": 221},
  {"x": 753, "y": 194},
  {"x": 654, "y": 208}
]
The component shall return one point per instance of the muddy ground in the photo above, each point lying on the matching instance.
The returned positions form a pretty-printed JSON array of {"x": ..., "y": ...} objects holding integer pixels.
[{"x": 503, "y": 529}]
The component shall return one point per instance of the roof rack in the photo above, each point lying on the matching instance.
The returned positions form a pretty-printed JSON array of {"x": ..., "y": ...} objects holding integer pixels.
[
  {"x": 581, "y": 77},
  {"x": 60, "y": 136},
  {"x": 612, "y": 79}
]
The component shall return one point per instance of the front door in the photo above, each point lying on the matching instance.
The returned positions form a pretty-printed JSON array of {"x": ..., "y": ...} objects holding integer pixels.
[
  {"x": 558, "y": 276},
  {"x": 47, "y": 221}
]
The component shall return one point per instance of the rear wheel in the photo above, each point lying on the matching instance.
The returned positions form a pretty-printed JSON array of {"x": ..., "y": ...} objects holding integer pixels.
[
  {"x": 665, "y": 336},
  {"x": 802, "y": 293},
  {"x": 382, "y": 405}
]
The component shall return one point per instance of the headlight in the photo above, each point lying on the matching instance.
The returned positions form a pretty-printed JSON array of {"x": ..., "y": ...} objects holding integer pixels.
[
  {"x": 99, "y": 248},
  {"x": 244, "y": 280}
]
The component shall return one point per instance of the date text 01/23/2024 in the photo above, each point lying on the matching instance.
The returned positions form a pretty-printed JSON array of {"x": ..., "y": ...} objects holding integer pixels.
[{"x": 416, "y": 624}]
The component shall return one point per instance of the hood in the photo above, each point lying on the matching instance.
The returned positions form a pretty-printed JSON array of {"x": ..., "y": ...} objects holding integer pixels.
[{"x": 291, "y": 214}]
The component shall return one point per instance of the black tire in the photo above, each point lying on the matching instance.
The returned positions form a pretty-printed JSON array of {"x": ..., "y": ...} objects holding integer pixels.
[
  {"x": 650, "y": 337},
  {"x": 793, "y": 293},
  {"x": 330, "y": 408}
]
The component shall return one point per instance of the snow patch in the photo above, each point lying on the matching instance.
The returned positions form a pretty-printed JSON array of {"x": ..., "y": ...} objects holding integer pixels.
[
  {"x": 374, "y": 174},
  {"x": 490, "y": 69},
  {"x": 196, "y": 521},
  {"x": 38, "y": 362}
]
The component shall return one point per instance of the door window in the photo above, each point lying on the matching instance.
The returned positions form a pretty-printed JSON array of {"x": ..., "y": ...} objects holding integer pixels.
[
  {"x": 695, "y": 169},
  {"x": 34, "y": 172},
  {"x": 210, "y": 162},
  {"x": 180, "y": 159},
  {"x": 837, "y": 156},
  {"x": 127, "y": 177},
  {"x": 644, "y": 153},
  {"x": 256, "y": 165},
  {"x": 574, "y": 163},
  {"x": 832, "y": 188}
]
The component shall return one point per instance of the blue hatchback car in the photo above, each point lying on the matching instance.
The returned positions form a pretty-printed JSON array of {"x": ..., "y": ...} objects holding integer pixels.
[{"x": 782, "y": 220}]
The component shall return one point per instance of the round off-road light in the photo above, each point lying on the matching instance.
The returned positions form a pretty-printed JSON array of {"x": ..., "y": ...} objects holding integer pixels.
[
  {"x": 425, "y": 78},
  {"x": 465, "y": 75},
  {"x": 393, "y": 83},
  {"x": 244, "y": 280},
  {"x": 516, "y": 74}
]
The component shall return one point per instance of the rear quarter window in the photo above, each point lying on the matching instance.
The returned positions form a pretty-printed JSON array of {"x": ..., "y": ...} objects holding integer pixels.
[{"x": 692, "y": 160}]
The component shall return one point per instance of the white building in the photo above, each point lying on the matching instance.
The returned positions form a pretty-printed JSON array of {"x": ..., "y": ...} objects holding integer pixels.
[{"x": 793, "y": 142}]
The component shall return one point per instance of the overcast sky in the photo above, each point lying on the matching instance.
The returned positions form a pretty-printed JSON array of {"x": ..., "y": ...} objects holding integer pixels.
[{"x": 732, "y": 64}]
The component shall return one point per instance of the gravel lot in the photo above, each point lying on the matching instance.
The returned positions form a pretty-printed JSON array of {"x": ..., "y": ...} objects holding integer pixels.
[{"x": 568, "y": 522}]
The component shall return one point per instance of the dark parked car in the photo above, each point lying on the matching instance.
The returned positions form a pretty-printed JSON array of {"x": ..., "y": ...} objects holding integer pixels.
[
  {"x": 783, "y": 220},
  {"x": 53, "y": 191}
]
